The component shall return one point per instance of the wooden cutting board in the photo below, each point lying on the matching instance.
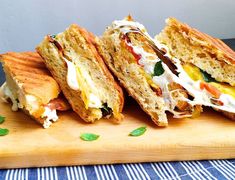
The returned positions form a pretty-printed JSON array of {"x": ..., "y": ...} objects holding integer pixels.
[{"x": 210, "y": 136}]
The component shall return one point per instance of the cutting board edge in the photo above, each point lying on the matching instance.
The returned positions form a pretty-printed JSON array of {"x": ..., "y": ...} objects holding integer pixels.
[{"x": 71, "y": 159}]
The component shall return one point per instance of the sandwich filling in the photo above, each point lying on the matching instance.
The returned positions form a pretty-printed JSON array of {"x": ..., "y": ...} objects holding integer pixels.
[
  {"x": 160, "y": 77},
  {"x": 78, "y": 78},
  {"x": 75, "y": 82},
  {"x": 184, "y": 87},
  {"x": 203, "y": 64},
  {"x": 205, "y": 89},
  {"x": 31, "y": 104}
]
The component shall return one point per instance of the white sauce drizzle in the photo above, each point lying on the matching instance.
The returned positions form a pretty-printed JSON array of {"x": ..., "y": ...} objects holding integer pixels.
[
  {"x": 93, "y": 100},
  {"x": 148, "y": 62},
  {"x": 72, "y": 75},
  {"x": 8, "y": 94},
  {"x": 201, "y": 97},
  {"x": 50, "y": 115},
  {"x": 31, "y": 100}
]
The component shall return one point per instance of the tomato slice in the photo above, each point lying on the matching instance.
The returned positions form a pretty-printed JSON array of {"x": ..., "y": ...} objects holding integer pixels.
[
  {"x": 131, "y": 49},
  {"x": 211, "y": 89},
  {"x": 58, "y": 104}
]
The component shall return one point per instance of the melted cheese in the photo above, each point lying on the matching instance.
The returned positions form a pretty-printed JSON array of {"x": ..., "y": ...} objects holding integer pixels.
[
  {"x": 225, "y": 88},
  {"x": 79, "y": 79},
  {"x": 32, "y": 105},
  {"x": 148, "y": 61},
  {"x": 7, "y": 94},
  {"x": 195, "y": 73},
  {"x": 202, "y": 96},
  {"x": 50, "y": 116},
  {"x": 188, "y": 77},
  {"x": 72, "y": 76}
]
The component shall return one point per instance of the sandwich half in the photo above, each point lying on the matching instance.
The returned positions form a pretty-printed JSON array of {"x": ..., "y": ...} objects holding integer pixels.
[
  {"x": 205, "y": 64},
  {"x": 30, "y": 87},
  {"x": 76, "y": 65},
  {"x": 141, "y": 67}
]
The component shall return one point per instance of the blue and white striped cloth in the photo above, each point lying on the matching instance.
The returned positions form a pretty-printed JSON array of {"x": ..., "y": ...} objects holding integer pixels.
[{"x": 214, "y": 169}]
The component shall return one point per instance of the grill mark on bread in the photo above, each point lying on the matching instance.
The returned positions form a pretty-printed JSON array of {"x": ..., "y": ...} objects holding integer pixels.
[
  {"x": 20, "y": 60},
  {"x": 29, "y": 70},
  {"x": 26, "y": 74},
  {"x": 24, "y": 56}
]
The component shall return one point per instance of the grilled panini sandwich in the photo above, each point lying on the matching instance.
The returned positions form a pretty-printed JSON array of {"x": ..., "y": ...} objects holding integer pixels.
[
  {"x": 82, "y": 75},
  {"x": 141, "y": 67},
  {"x": 205, "y": 64},
  {"x": 30, "y": 87}
]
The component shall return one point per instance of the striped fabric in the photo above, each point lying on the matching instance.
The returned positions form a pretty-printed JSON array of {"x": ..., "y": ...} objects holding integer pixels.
[{"x": 214, "y": 169}]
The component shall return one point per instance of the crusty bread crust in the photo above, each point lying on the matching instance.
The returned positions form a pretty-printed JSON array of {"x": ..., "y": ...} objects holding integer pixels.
[
  {"x": 26, "y": 74},
  {"x": 78, "y": 40},
  {"x": 92, "y": 43},
  {"x": 229, "y": 115},
  {"x": 208, "y": 53},
  {"x": 130, "y": 76},
  {"x": 29, "y": 70},
  {"x": 216, "y": 45}
]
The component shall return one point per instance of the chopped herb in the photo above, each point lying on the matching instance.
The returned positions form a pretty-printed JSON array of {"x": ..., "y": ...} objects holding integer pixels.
[
  {"x": 53, "y": 36},
  {"x": 2, "y": 119},
  {"x": 106, "y": 110},
  {"x": 3, "y": 132},
  {"x": 138, "y": 132},
  {"x": 207, "y": 77},
  {"x": 158, "y": 69},
  {"x": 89, "y": 136}
]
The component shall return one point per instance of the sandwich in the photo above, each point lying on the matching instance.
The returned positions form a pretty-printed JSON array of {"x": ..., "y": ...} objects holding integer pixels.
[
  {"x": 76, "y": 65},
  {"x": 205, "y": 64},
  {"x": 30, "y": 87},
  {"x": 141, "y": 67}
]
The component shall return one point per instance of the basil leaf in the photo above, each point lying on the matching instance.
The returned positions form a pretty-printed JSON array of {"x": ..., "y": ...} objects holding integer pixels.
[
  {"x": 207, "y": 77},
  {"x": 106, "y": 110},
  {"x": 53, "y": 36},
  {"x": 2, "y": 119},
  {"x": 138, "y": 132},
  {"x": 89, "y": 136},
  {"x": 3, "y": 132},
  {"x": 158, "y": 69}
]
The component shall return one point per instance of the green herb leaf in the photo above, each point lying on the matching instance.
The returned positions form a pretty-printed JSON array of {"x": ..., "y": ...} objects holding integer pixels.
[
  {"x": 106, "y": 110},
  {"x": 3, "y": 132},
  {"x": 89, "y": 136},
  {"x": 2, "y": 119},
  {"x": 138, "y": 132},
  {"x": 53, "y": 36},
  {"x": 207, "y": 77},
  {"x": 158, "y": 69}
]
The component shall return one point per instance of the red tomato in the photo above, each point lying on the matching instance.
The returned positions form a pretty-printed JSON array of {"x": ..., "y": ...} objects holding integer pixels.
[{"x": 211, "y": 89}]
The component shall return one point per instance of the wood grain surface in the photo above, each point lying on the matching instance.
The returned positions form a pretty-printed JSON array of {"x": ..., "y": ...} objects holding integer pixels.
[{"x": 211, "y": 136}]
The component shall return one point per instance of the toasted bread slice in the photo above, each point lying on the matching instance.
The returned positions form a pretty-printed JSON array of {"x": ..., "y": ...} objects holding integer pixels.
[
  {"x": 30, "y": 86},
  {"x": 143, "y": 69},
  {"x": 122, "y": 62},
  {"x": 82, "y": 75},
  {"x": 208, "y": 53},
  {"x": 213, "y": 57}
]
